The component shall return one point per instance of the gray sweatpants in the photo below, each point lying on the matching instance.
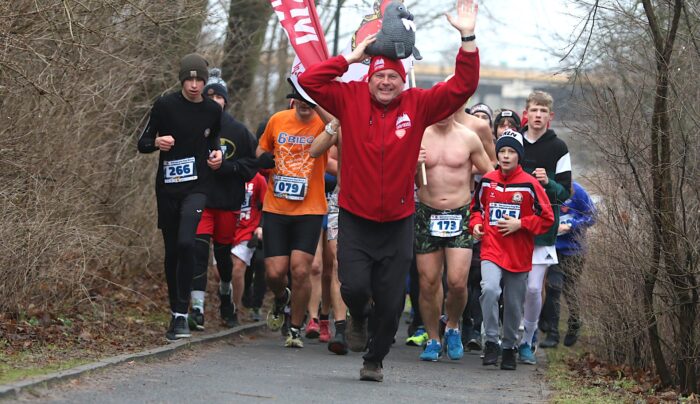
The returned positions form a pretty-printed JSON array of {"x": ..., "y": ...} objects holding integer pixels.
[{"x": 514, "y": 286}]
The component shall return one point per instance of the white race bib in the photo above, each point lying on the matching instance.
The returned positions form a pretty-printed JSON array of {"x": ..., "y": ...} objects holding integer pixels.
[
  {"x": 498, "y": 211},
  {"x": 445, "y": 225},
  {"x": 291, "y": 188},
  {"x": 182, "y": 170}
]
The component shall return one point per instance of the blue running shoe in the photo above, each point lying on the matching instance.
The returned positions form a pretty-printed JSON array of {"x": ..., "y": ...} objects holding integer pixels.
[
  {"x": 432, "y": 352},
  {"x": 453, "y": 342},
  {"x": 526, "y": 355}
]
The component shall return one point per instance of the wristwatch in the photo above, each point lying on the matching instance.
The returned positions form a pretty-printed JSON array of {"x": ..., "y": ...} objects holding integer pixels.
[
  {"x": 329, "y": 129},
  {"x": 468, "y": 38}
]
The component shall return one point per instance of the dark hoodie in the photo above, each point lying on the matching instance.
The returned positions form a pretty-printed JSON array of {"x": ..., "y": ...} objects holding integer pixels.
[
  {"x": 552, "y": 154},
  {"x": 238, "y": 165}
]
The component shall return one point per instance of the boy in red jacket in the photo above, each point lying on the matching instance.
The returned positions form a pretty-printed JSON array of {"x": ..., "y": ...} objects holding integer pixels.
[{"x": 510, "y": 207}]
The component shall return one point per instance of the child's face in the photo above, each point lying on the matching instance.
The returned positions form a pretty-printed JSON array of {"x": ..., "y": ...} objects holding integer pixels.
[{"x": 507, "y": 158}]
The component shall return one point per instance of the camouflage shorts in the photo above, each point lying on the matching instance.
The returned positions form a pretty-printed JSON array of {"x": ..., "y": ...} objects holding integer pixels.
[
  {"x": 332, "y": 229},
  {"x": 455, "y": 235}
]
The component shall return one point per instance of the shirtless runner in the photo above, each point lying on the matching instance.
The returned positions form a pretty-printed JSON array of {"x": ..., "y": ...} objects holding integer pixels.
[{"x": 449, "y": 150}]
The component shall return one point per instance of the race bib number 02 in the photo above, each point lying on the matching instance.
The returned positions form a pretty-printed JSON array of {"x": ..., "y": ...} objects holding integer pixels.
[
  {"x": 445, "y": 225},
  {"x": 182, "y": 170},
  {"x": 498, "y": 211},
  {"x": 291, "y": 188}
]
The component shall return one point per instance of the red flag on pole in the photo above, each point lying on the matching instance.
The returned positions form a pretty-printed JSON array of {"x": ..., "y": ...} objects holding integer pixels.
[{"x": 300, "y": 21}]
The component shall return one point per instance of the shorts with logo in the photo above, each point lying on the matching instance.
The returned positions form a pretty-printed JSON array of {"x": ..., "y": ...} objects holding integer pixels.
[
  {"x": 333, "y": 210},
  {"x": 218, "y": 223},
  {"x": 454, "y": 221}
]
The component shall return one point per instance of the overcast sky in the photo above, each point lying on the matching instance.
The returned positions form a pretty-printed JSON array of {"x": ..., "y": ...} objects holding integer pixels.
[{"x": 513, "y": 33}]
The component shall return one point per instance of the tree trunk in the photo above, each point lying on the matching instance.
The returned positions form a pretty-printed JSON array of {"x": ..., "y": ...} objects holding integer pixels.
[{"x": 247, "y": 23}]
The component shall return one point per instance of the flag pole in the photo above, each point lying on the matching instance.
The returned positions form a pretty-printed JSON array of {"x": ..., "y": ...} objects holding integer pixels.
[{"x": 423, "y": 174}]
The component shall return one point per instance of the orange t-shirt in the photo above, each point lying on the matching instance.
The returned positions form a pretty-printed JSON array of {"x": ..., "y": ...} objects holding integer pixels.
[{"x": 296, "y": 185}]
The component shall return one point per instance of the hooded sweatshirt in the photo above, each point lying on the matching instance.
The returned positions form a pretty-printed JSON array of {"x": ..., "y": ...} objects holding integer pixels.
[
  {"x": 579, "y": 212},
  {"x": 552, "y": 154},
  {"x": 238, "y": 165}
]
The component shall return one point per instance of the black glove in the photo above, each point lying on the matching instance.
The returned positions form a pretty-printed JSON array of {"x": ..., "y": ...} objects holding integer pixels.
[{"x": 266, "y": 160}]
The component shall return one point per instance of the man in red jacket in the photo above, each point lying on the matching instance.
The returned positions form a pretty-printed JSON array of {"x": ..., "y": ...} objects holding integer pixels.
[
  {"x": 382, "y": 128},
  {"x": 509, "y": 209}
]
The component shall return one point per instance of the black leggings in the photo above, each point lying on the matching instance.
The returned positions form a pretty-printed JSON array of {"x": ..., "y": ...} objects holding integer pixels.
[
  {"x": 179, "y": 241},
  {"x": 222, "y": 254},
  {"x": 255, "y": 286}
]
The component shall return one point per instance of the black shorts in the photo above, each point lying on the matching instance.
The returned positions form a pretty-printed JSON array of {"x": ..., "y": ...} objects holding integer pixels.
[{"x": 284, "y": 233}]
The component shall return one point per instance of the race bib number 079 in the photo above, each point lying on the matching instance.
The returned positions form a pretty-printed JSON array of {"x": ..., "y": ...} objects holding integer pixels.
[
  {"x": 291, "y": 188},
  {"x": 498, "y": 211},
  {"x": 445, "y": 225},
  {"x": 182, "y": 170}
]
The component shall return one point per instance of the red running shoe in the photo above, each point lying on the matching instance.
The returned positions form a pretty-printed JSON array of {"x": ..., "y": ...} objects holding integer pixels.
[
  {"x": 312, "y": 329},
  {"x": 325, "y": 333}
]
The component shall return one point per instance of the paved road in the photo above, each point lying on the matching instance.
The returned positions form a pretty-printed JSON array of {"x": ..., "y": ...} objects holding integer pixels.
[{"x": 257, "y": 369}]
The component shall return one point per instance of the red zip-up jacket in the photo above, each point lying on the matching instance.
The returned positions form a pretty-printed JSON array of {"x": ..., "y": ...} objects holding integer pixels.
[
  {"x": 517, "y": 195},
  {"x": 381, "y": 142}
]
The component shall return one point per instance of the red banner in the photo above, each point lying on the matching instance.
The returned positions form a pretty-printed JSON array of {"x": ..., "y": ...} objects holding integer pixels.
[{"x": 301, "y": 23}]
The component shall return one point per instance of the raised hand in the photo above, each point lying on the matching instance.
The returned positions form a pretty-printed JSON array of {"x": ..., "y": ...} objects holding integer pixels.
[
  {"x": 465, "y": 21},
  {"x": 358, "y": 54}
]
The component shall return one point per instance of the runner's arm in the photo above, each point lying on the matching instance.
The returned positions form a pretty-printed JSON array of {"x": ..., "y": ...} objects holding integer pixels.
[
  {"x": 543, "y": 219},
  {"x": 324, "y": 141},
  {"x": 480, "y": 159},
  {"x": 147, "y": 140}
]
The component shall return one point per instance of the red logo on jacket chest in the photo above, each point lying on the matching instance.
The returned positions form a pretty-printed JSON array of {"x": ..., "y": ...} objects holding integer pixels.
[{"x": 403, "y": 122}]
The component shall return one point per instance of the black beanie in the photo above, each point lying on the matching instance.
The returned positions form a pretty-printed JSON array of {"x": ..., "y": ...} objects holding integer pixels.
[
  {"x": 193, "y": 65},
  {"x": 512, "y": 139},
  {"x": 506, "y": 113},
  {"x": 215, "y": 85}
]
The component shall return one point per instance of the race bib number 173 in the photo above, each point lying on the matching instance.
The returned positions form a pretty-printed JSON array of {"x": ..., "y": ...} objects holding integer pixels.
[{"x": 445, "y": 225}]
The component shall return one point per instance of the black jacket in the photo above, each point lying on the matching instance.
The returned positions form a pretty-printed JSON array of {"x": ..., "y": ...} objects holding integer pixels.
[{"x": 238, "y": 166}]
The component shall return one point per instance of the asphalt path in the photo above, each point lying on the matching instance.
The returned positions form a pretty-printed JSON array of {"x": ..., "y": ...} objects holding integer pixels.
[{"x": 256, "y": 368}]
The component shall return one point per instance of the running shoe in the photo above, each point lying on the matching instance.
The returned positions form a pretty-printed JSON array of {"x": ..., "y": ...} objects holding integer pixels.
[
  {"x": 178, "y": 329},
  {"x": 196, "y": 319},
  {"x": 525, "y": 354},
  {"x": 324, "y": 333},
  {"x": 490, "y": 354},
  {"x": 294, "y": 338},
  {"x": 551, "y": 341},
  {"x": 432, "y": 351},
  {"x": 357, "y": 335},
  {"x": 420, "y": 338},
  {"x": 508, "y": 359},
  {"x": 313, "y": 329},
  {"x": 227, "y": 310},
  {"x": 534, "y": 343},
  {"x": 453, "y": 344},
  {"x": 371, "y": 371},
  {"x": 275, "y": 317},
  {"x": 474, "y": 343},
  {"x": 571, "y": 336},
  {"x": 338, "y": 345},
  {"x": 255, "y": 314}
]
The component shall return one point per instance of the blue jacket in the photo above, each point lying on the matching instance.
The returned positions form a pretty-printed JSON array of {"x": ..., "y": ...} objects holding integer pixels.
[{"x": 579, "y": 212}]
